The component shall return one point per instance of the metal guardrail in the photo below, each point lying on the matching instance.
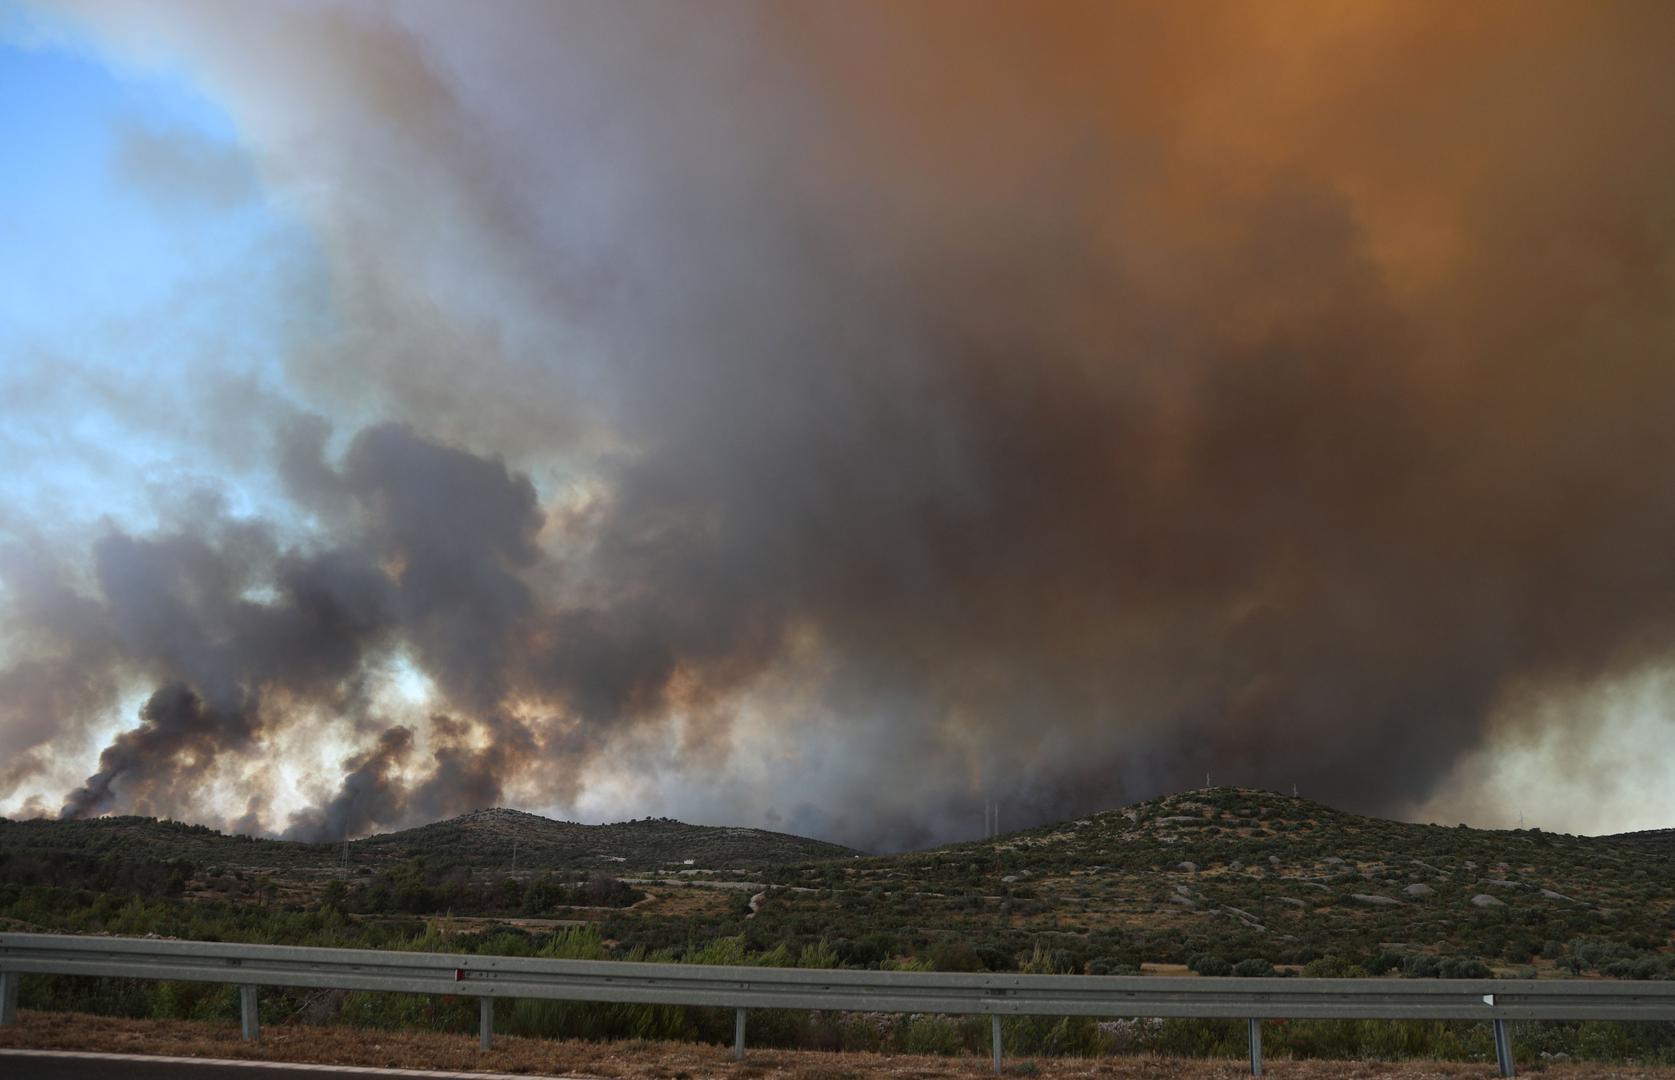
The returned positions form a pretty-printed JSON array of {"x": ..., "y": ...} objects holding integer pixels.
[{"x": 741, "y": 988}]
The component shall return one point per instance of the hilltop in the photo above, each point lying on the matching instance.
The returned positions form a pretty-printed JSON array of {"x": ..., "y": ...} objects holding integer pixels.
[{"x": 1659, "y": 840}]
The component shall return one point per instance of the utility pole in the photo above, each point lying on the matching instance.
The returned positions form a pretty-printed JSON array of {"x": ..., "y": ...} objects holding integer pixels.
[{"x": 514, "y": 854}]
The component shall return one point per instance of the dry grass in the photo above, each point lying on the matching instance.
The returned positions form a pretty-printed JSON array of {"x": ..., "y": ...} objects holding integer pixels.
[
  {"x": 685, "y": 902},
  {"x": 642, "y": 1060}
]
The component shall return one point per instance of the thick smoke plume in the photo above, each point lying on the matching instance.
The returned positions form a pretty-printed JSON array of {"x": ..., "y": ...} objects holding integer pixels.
[{"x": 838, "y": 415}]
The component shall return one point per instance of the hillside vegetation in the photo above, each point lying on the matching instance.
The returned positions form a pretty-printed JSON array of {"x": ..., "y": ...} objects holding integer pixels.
[
  {"x": 1217, "y": 881},
  {"x": 492, "y": 863},
  {"x": 1205, "y": 880},
  {"x": 1216, "y": 877},
  {"x": 488, "y": 838},
  {"x": 485, "y": 839}
]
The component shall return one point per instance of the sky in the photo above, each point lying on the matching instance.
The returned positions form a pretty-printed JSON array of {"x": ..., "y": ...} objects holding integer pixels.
[{"x": 835, "y": 418}]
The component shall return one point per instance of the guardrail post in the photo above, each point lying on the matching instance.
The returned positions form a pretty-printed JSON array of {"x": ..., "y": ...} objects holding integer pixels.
[
  {"x": 994, "y": 1033},
  {"x": 249, "y": 1021},
  {"x": 8, "y": 996},
  {"x": 1503, "y": 1048},
  {"x": 738, "y": 1035},
  {"x": 485, "y": 1022},
  {"x": 1255, "y": 1046}
]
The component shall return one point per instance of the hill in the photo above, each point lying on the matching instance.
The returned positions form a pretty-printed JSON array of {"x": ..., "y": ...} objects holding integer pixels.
[
  {"x": 129, "y": 837},
  {"x": 1208, "y": 878},
  {"x": 482, "y": 839},
  {"x": 488, "y": 838},
  {"x": 1229, "y": 874},
  {"x": 1658, "y": 840}
]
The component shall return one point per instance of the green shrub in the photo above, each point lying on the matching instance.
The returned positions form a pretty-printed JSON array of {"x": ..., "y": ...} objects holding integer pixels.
[
  {"x": 1332, "y": 966},
  {"x": 955, "y": 956},
  {"x": 932, "y": 1035},
  {"x": 1209, "y": 964}
]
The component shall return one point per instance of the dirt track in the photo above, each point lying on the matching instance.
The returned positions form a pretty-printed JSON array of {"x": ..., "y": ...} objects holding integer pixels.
[{"x": 638, "y": 1060}]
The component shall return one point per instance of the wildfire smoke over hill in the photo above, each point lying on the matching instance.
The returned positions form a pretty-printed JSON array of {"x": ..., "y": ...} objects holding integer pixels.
[{"x": 831, "y": 417}]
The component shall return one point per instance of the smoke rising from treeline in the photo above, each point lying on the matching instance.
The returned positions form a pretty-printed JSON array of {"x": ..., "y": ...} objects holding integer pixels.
[{"x": 867, "y": 411}]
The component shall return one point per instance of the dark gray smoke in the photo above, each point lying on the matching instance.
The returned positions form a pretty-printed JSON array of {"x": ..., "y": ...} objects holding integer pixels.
[
  {"x": 177, "y": 733},
  {"x": 851, "y": 416},
  {"x": 371, "y": 796}
]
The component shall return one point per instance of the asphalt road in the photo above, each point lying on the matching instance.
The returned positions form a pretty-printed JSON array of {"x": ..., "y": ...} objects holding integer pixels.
[
  {"x": 28, "y": 1065},
  {"x": 44, "y": 1068}
]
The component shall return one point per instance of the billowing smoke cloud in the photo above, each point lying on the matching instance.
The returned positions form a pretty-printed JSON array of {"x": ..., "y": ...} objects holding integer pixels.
[
  {"x": 176, "y": 730},
  {"x": 371, "y": 794},
  {"x": 846, "y": 414}
]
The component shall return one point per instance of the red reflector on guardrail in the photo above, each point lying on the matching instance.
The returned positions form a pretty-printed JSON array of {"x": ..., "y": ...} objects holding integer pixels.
[{"x": 459, "y": 974}]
